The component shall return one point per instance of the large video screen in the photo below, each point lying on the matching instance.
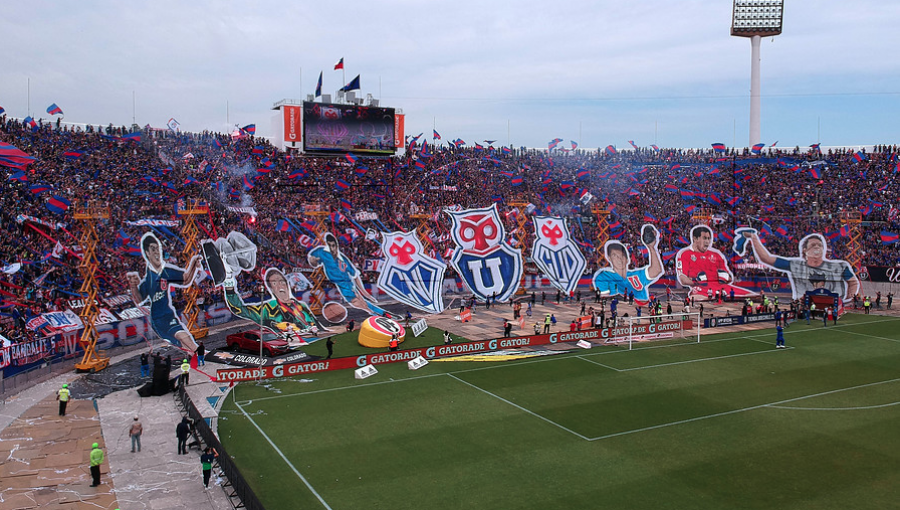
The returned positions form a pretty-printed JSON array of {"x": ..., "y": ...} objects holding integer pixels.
[{"x": 347, "y": 128}]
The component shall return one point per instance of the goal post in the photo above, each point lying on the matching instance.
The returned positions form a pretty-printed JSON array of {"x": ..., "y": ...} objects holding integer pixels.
[{"x": 631, "y": 330}]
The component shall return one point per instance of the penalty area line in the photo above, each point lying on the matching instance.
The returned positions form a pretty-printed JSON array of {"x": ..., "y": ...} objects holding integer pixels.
[
  {"x": 285, "y": 459},
  {"x": 770, "y": 405},
  {"x": 517, "y": 406}
]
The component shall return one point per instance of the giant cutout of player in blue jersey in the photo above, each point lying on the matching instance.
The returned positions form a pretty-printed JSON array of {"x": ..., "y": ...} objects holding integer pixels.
[
  {"x": 618, "y": 279},
  {"x": 343, "y": 274},
  {"x": 154, "y": 287}
]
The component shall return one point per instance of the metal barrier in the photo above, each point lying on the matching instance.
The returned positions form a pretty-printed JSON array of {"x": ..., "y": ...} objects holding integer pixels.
[{"x": 236, "y": 487}]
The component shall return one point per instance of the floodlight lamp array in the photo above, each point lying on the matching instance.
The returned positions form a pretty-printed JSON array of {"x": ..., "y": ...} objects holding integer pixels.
[{"x": 757, "y": 17}]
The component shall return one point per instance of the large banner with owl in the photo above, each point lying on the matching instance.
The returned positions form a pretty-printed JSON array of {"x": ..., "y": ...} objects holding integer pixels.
[
  {"x": 556, "y": 254},
  {"x": 488, "y": 265},
  {"x": 408, "y": 275}
]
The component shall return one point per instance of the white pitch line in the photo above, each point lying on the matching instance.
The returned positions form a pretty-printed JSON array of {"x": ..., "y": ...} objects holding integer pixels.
[
  {"x": 735, "y": 411},
  {"x": 596, "y": 363},
  {"x": 517, "y": 406},
  {"x": 285, "y": 459},
  {"x": 873, "y": 336},
  {"x": 700, "y": 359},
  {"x": 558, "y": 358}
]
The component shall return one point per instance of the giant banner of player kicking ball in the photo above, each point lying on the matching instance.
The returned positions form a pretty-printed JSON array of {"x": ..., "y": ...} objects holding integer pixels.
[{"x": 810, "y": 272}]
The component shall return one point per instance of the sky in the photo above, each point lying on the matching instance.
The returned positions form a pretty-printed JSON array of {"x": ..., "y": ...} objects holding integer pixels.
[{"x": 520, "y": 72}]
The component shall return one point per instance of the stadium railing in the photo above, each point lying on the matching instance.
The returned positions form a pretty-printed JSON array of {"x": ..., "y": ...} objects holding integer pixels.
[{"x": 236, "y": 487}]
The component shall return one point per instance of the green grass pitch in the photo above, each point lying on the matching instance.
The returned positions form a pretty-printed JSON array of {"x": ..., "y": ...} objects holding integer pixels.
[{"x": 729, "y": 422}]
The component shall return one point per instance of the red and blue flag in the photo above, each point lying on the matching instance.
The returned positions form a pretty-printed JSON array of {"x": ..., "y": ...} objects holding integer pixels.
[
  {"x": 889, "y": 237},
  {"x": 53, "y": 109},
  {"x": 57, "y": 204},
  {"x": 718, "y": 147}
]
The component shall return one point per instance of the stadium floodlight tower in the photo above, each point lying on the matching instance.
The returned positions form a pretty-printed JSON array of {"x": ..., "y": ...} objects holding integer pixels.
[{"x": 756, "y": 19}]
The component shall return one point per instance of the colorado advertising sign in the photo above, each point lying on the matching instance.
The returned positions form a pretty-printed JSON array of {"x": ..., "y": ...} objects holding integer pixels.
[{"x": 638, "y": 332}]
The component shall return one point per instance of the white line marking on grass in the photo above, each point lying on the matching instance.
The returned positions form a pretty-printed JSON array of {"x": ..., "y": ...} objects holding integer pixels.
[
  {"x": 701, "y": 359},
  {"x": 596, "y": 363},
  {"x": 873, "y": 336},
  {"x": 285, "y": 459},
  {"x": 736, "y": 411},
  {"x": 558, "y": 358},
  {"x": 857, "y": 408},
  {"x": 517, "y": 406}
]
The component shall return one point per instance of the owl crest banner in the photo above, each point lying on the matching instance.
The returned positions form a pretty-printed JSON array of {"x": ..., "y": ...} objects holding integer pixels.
[
  {"x": 408, "y": 275},
  {"x": 488, "y": 265},
  {"x": 555, "y": 253}
]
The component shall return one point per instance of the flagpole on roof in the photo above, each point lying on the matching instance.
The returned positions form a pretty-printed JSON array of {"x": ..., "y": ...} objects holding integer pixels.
[{"x": 29, "y": 98}]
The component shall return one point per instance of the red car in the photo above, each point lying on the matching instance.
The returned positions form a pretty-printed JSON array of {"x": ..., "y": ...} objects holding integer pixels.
[{"x": 248, "y": 341}]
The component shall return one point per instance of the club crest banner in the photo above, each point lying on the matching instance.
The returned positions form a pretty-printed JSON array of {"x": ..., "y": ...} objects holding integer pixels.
[
  {"x": 555, "y": 254},
  {"x": 485, "y": 261},
  {"x": 409, "y": 276}
]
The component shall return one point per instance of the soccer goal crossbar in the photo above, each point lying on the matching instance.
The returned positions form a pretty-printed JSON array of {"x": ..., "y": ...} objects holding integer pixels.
[{"x": 630, "y": 330}]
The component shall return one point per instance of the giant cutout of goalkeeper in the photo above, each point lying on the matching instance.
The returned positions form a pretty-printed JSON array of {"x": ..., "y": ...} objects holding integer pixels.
[
  {"x": 155, "y": 288},
  {"x": 618, "y": 279},
  {"x": 808, "y": 272},
  {"x": 702, "y": 268},
  {"x": 282, "y": 313}
]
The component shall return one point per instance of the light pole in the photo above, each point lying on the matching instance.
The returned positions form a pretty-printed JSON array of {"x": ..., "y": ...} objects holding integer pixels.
[{"x": 756, "y": 19}]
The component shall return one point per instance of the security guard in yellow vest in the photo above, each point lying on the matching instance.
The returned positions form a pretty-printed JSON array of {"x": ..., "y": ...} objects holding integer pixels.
[
  {"x": 63, "y": 396},
  {"x": 185, "y": 372},
  {"x": 96, "y": 460}
]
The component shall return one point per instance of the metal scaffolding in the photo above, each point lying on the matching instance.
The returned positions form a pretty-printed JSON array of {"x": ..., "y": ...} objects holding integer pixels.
[
  {"x": 188, "y": 210},
  {"x": 88, "y": 215}
]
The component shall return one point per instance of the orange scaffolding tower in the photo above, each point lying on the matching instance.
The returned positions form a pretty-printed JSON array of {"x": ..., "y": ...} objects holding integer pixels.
[
  {"x": 423, "y": 230},
  {"x": 88, "y": 215},
  {"x": 317, "y": 279},
  {"x": 522, "y": 237},
  {"x": 188, "y": 210},
  {"x": 702, "y": 215},
  {"x": 602, "y": 215},
  {"x": 851, "y": 220}
]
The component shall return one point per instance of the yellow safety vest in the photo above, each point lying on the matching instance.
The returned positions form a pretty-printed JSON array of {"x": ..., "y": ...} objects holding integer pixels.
[
  {"x": 64, "y": 395},
  {"x": 185, "y": 368}
]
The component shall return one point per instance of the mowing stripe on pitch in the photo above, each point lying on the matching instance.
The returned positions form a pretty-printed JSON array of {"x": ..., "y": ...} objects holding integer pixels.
[
  {"x": 285, "y": 459},
  {"x": 517, "y": 406},
  {"x": 563, "y": 357},
  {"x": 736, "y": 411}
]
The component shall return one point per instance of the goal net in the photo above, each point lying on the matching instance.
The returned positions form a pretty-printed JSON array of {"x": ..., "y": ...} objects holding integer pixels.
[{"x": 676, "y": 326}]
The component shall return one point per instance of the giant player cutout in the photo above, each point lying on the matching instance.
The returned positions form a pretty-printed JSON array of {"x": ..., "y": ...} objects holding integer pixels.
[
  {"x": 702, "y": 268},
  {"x": 617, "y": 279},
  {"x": 343, "y": 274},
  {"x": 155, "y": 288},
  {"x": 808, "y": 272},
  {"x": 282, "y": 313}
]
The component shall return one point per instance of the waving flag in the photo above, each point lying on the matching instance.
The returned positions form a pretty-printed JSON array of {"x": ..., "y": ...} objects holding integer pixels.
[
  {"x": 631, "y": 143},
  {"x": 353, "y": 85},
  {"x": 283, "y": 226},
  {"x": 351, "y": 158},
  {"x": 574, "y": 144},
  {"x": 37, "y": 189},
  {"x": 2, "y": 110},
  {"x": 859, "y": 156},
  {"x": 319, "y": 85},
  {"x": 341, "y": 185},
  {"x": 610, "y": 150},
  {"x": 247, "y": 184},
  {"x": 816, "y": 147},
  {"x": 654, "y": 147},
  {"x": 132, "y": 137},
  {"x": 19, "y": 176},
  {"x": 757, "y": 148},
  {"x": 553, "y": 143},
  {"x": 28, "y": 120},
  {"x": 517, "y": 180},
  {"x": 815, "y": 173},
  {"x": 718, "y": 147},
  {"x": 54, "y": 110},
  {"x": 234, "y": 194},
  {"x": 583, "y": 174},
  {"x": 436, "y": 136},
  {"x": 889, "y": 237},
  {"x": 507, "y": 151},
  {"x": 340, "y": 64},
  {"x": 173, "y": 124},
  {"x": 300, "y": 173},
  {"x": 250, "y": 129},
  {"x": 57, "y": 204}
]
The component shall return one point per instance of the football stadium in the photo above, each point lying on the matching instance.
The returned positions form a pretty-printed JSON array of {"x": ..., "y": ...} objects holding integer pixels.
[{"x": 366, "y": 300}]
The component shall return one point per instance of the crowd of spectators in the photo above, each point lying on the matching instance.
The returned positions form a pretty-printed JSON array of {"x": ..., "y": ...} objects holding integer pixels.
[{"x": 790, "y": 192}]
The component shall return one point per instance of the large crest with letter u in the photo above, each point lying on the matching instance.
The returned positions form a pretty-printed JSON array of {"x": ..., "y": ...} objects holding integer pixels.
[{"x": 485, "y": 261}]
